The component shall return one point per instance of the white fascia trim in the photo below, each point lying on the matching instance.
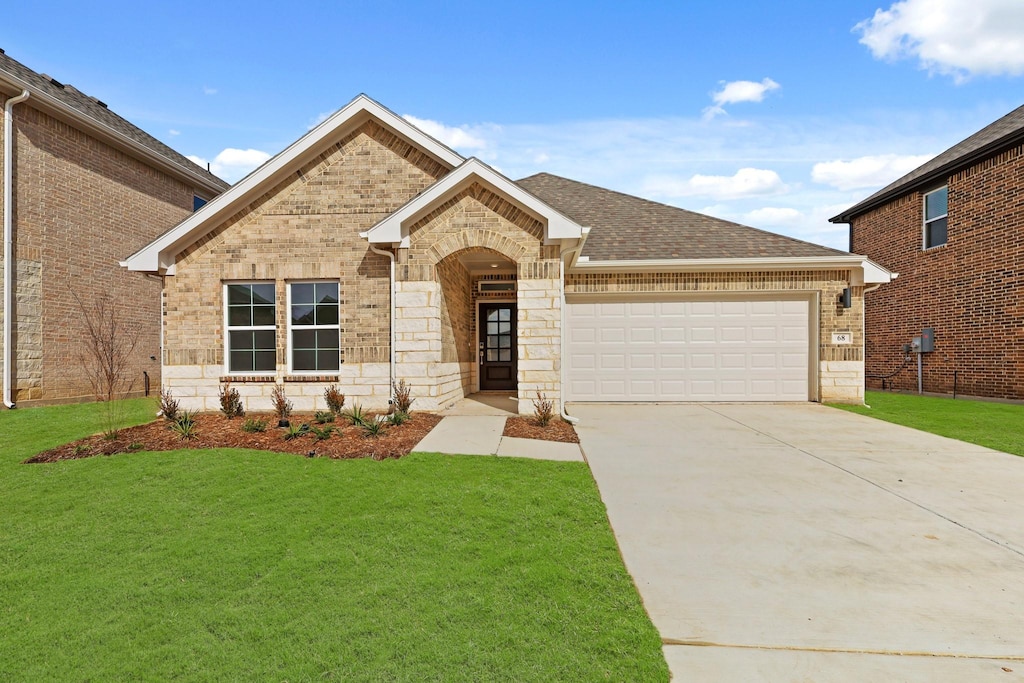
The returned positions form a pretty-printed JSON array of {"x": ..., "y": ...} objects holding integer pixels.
[
  {"x": 160, "y": 253},
  {"x": 872, "y": 272},
  {"x": 394, "y": 228},
  {"x": 90, "y": 125}
]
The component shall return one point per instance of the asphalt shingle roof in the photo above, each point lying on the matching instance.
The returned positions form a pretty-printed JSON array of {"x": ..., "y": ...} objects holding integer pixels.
[
  {"x": 625, "y": 227},
  {"x": 991, "y": 139},
  {"x": 73, "y": 98}
]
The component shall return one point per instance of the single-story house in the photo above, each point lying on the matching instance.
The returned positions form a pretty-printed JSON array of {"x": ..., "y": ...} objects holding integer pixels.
[{"x": 368, "y": 252}]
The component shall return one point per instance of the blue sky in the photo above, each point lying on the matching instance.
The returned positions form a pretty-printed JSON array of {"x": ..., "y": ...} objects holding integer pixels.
[{"x": 777, "y": 115}]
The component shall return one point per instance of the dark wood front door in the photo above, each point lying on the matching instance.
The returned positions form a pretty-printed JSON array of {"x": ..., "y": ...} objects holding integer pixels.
[{"x": 497, "y": 347}]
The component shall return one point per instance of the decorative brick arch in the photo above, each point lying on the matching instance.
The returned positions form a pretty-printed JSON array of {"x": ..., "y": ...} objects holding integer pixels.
[{"x": 471, "y": 239}]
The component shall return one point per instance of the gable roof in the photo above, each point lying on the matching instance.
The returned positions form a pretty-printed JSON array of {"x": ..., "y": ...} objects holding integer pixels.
[
  {"x": 628, "y": 228},
  {"x": 993, "y": 138},
  {"x": 68, "y": 102},
  {"x": 395, "y": 228},
  {"x": 159, "y": 254}
]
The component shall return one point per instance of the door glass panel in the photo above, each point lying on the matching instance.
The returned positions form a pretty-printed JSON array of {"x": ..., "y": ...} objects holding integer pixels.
[
  {"x": 492, "y": 328},
  {"x": 492, "y": 355},
  {"x": 492, "y": 314},
  {"x": 505, "y": 355},
  {"x": 504, "y": 328},
  {"x": 492, "y": 342},
  {"x": 503, "y": 314}
]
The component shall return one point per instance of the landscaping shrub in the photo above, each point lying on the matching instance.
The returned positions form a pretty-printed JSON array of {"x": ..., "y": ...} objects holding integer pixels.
[
  {"x": 334, "y": 398},
  {"x": 403, "y": 396},
  {"x": 230, "y": 401},
  {"x": 282, "y": 406},
  {"x": 168, "y": 405},
  {"x": 543, "y": 409}
]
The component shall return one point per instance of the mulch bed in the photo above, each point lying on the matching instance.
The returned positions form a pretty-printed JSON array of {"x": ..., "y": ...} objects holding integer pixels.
[
  {"x": 213, "y": 430},
  {"x": 528, "y": 428}
]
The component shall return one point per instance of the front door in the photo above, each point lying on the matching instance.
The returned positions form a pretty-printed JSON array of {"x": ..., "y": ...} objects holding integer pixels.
[{"x": 497, "y": 347}]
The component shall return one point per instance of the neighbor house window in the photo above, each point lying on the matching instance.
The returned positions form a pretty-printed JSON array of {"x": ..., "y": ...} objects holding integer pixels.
[
  {"x": 935, "y": 217},
  {"x": 252, "y": 338},
  {"x": 313, "y": 327}
]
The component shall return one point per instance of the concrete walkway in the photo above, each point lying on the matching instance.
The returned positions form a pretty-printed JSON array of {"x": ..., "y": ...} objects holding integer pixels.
[
  {"x": 473, "y": 426},
  {"x": 798, "y": 542}
]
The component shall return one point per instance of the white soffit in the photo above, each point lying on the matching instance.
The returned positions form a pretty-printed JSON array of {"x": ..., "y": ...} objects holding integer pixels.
[
  {"x": 161, "y": 252},
  {"x": 395, "y": 228}
]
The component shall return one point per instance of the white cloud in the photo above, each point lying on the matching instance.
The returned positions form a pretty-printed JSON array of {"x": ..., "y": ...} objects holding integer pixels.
[
  {"x": 746, "y": 182},
  {"x": 958, "y": 38},
  {"x": 233, "y": 164},
  {"x": 738, "y": 91},
  {"x": 459, "y": 138},
  {"x": 867, "y": 171},
  {"x": 320, "y": 118},
  {"x": 173, "y": 133},
  {"x": 207, "y": 90},
  {"x": 772, "y": 215}
]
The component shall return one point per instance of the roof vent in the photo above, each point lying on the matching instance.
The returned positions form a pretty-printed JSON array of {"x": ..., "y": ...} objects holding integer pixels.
[
  {"x": 2, "y": 51},
  {"x": 52, "y": 80},
  {"x": 99, "y": 102}
]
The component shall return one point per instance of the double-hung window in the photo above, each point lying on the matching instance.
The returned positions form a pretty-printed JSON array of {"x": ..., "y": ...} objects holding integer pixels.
[
  {"x": 314, "y": 332},
  {"x": 251, "y": 327},
  {"x": 936, "y": 217}
]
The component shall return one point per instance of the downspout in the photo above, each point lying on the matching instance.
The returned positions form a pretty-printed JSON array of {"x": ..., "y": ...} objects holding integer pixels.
[
  {"x": 9, "y": 265},
  {"x": 391, "y": 257},
  {"x": 562, "y": 365}
]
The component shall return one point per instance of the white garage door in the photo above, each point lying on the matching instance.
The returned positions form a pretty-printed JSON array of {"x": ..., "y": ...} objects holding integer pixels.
[{"x": 688, "y": 351}]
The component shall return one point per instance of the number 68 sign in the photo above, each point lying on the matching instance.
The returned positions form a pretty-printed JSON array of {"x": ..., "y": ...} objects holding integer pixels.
[{"x": 842, "y": 338}]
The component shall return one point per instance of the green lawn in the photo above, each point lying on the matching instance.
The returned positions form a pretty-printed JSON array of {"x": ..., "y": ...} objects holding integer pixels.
[
  {"x": 247, "y": 565},
  {"x": 994, "y": 425}
]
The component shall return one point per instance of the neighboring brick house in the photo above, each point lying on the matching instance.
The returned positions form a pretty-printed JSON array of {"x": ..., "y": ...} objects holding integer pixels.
[
  {"x": 954, "y": 231},
  {"x": 85, "y": 187},
  {"x": 368, "y": 251}
]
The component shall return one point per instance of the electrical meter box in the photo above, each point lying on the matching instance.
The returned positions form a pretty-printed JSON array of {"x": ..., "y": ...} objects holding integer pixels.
[
  {"x": 928, "y": 340},
  {"x": 915, "y": 345}
]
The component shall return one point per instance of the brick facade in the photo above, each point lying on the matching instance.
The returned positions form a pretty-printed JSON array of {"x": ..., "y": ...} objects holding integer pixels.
[
  {"x": 968, "y": 290},
  {"x": 80, "y": 207},
  {"x": 306, "y": 227}
]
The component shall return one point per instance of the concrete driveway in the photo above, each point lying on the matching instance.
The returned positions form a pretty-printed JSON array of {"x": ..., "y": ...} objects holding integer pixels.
[{"x": 796, "y": 542}]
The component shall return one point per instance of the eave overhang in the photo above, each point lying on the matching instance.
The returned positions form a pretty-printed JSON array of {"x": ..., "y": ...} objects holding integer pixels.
[
  {"x": 863, "y": 270},
  {"x": 54, "y": 107}
]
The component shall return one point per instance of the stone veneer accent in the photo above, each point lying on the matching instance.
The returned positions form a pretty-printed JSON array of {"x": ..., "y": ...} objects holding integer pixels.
[
  {"x": 841, "y": 367},
  {"x": 307, "y": 227},
  {"x": 436, "y": 326}
]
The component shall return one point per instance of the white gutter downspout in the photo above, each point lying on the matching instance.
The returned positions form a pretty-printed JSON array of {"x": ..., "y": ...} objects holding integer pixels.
[
  {"x": 9, "y": 265},
  {"x": 562, "y": 365},
  {"x": 391, "y": 256}
]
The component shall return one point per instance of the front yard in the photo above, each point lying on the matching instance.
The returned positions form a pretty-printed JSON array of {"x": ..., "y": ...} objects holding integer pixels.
[
  {"x": 251, "y": 565},
  {"x": 993, "y": 425}
]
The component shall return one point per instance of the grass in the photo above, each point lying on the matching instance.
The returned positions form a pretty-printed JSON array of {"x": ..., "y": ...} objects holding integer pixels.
[
  {"x": 993, "y": 425},
  {"x": 248, "y": 565}
]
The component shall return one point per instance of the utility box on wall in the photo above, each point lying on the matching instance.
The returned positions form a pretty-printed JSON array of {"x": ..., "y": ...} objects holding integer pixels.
[{"x": 928, "y": 340}]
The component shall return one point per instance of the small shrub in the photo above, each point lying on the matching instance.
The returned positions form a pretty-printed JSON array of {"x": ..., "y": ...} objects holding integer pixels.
[
  {"x": 295, "y": 431},
  {"x": 282, "y": 406},
  {"x": 403, "y": 396},
  {"x": 81, "y": 448},
  {"x": 543, "y": 409},
  {"x": 356, "y": 415},
  {"x": 374, "y": 427},
  {"x": 230, "y": 401},
  {"x": 110, "y": 435},
  {"x": 324, "y": 417},
  {"x": 252, "y": 425},
  {"x": 334, "y": 398},
  {"x": 168, "y": 405},
  {"x": 135, "y": 446},
  {"x": 185, "y": 425},
  {"x": 398, "y": 417},
  {"x": 321, "y": 433}
]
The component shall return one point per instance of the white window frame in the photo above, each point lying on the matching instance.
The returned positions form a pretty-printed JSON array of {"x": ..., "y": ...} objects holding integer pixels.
[
  {"x": 291, "y": 327},
  {"x": 228, "y": 328},
  {"x": 925, "y": 221}
]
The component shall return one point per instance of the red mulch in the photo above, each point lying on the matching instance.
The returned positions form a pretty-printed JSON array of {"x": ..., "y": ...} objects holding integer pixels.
[
  {"x": 528, "y": 428},
  {"x": 213, "y": 430}
]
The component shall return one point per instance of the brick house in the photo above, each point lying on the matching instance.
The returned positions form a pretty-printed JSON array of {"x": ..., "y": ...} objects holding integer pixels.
[
  {"x": 368, "y": 251},
  {"x": 954, "y": 231},
  {"x": 81, "y": 187}
]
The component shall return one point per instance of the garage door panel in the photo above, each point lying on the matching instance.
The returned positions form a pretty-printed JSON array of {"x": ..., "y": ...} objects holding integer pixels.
[{"x": 688, "y": 351}]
